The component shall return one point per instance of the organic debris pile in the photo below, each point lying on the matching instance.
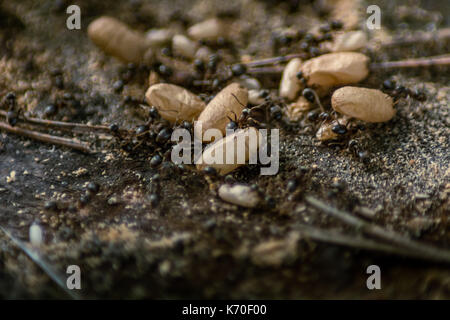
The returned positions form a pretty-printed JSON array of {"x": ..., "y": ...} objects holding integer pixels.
[{"x": 87, "y": 175}]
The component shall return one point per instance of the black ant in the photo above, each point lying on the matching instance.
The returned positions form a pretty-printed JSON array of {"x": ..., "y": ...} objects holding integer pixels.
[
  {"x": 399, "y": 91},
  {"x": 257, "y": 116}
]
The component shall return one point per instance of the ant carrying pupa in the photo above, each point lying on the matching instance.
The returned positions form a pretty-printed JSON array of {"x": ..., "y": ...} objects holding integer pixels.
[
  {"x": 258, "y": 116},
  {"x": 331, "y": 129}
]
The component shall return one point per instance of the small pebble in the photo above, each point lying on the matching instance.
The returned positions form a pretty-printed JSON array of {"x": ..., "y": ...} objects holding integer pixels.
[{"x": 239, "y": 194}]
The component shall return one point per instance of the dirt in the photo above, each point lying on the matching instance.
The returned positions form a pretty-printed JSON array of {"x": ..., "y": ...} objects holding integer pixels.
[{"x": 192, "y": 244}]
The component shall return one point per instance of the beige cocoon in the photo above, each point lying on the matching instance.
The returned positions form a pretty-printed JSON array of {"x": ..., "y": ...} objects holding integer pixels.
[
  {"x": 290, "y": 85},
  {"x": 116, "y": 39},
  {"x": 370, "y": 105},
  {"x": 174, "y": 103},
  {"x": 336, "y": 69},
  {"x": 229, "y": 146},
  {"x": 227, "y": 103},
  {"x": 350, "y": 41},
  {"x": 210, "y": 29}
]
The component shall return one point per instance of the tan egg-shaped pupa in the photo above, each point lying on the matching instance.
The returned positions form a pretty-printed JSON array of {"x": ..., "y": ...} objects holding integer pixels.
[
  {"x": 174, "y": 103},
  {"x": 336, "y": 69},
  {"x": 370, "y": 105},
  {"x": 289, "y": 84},
  {"x": 115, "y": 38},
  {"x": 228, "y": 103},
  {"x": 230, "y": 146},
  {"x": 183, "y": 46},
  {"x": 210, "y": 29},
  {"x": 350, "y": 41}
]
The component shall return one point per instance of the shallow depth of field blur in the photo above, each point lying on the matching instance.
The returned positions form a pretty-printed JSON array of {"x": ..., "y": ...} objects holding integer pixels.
[{"x": 191, "y": 244}]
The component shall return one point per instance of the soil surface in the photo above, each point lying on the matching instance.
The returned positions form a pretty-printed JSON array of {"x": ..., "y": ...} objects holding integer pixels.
[{"x": 191, "y": 244}]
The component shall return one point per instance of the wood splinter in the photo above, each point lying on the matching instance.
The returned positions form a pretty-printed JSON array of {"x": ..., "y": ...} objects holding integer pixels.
[
  {"x": 70, "y": 143},
  {"x": 62, "y": 125},
  {"x": 408, "y": 63},
  {"x": 420, "y": 249}
]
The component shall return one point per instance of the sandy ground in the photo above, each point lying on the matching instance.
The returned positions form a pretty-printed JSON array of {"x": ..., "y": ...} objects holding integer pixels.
[{"x": 192, "y": 244}]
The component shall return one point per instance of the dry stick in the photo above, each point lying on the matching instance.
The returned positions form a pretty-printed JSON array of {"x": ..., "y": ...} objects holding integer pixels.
[
  {"x": 334, "y": 237},
  {"x": 266, "y": 70},
  {"x": 426, "y": 251},
  {"x": 199, "y": 83},
  {"x": 272, "y": 60},
  {"x": 36, "y": 258},
  {"x": 439, "y": 35},
  {"x": 413, "y": 63},
  {"x": 46, "y": 138},
  {"x": 409, "y": 63},
  {"x": 61, "y": 124}
]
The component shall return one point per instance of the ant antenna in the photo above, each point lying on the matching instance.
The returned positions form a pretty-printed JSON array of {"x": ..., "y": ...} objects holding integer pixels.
[
  {"x": 238, "y": 100},
  {"x": 316, "y": 97}
]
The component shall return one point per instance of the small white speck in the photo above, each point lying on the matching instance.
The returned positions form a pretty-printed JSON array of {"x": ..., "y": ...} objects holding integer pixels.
[{"x": 36, "y": 235}]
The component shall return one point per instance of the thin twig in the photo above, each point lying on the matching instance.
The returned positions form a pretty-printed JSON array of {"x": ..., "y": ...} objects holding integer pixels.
[
  {"x": 409, "y": 63},
  {"x": 266, "y": 70},
  {"x": 317, "y": 99},
  {"x": 272, "y": 60},
  {"x": 70, "y": 143},
  {"x": 62, "y": 124},
  {"x": 199, "y": 83},
  {"x": 428, "y": 252},
  {"x": 438, "y": 35},
  {"x": 37, "y": 258},
  {"x": 335, "y": 237},
  {"x": 413, "y": 63}
]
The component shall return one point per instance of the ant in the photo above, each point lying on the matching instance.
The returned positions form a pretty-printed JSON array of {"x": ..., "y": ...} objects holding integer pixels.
[{"x": 257, "y": 116}]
